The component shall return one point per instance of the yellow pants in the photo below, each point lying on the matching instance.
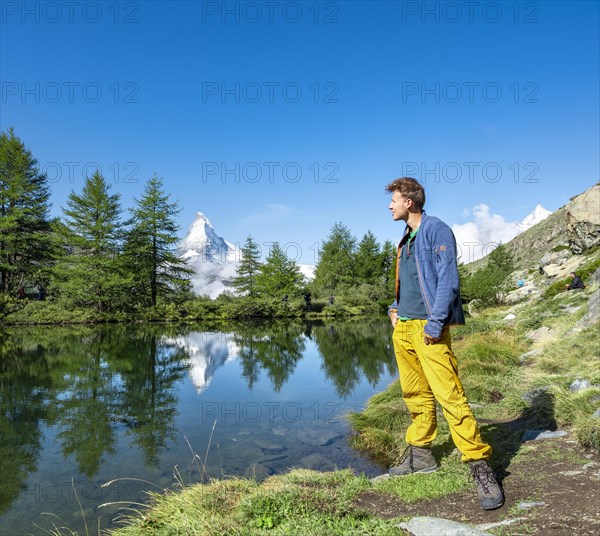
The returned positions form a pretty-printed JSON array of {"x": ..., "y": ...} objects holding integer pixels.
[{"x": 429, "y": 373}]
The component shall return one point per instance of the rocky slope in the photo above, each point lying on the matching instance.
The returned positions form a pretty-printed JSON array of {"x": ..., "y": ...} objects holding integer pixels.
[{"x": 575, "y": 226}]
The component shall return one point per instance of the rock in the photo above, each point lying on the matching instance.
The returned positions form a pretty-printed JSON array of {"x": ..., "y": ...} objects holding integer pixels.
[
  {"x": 510, "y": 316},
  {"x": 269, "y": 447},
  {"x": 272, "y": 458},
  {"x": 318, "y": 438},
  {"x": 524, "y": 357},
  {"x": 526, "y": 505},
  {"x": 569, "y": 309},
  {"x": 536, "y": 394},
  {"x": 593, "y": 311},
  {"x": 473, "y": 307},
  {"x": 583, "y": 220},
  {"x": 580, "y": 385},
  {"x": 486, "y": 526},
  {"x": 258, "y": 471},
  {"x": 595, "y": 279},
  {"x": 551, "y": 270},
  {"x": 538, "y": 435},
  {"x": 428, "y": 526},
  {"x": 554, "y": 257},
  {"x": 541, "y": 334},
  {"x": 596, "y": 414},
  {"x": 317, "y": 462}
]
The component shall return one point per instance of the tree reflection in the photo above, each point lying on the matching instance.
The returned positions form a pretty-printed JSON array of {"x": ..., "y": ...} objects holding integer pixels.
[
  {"x": 276, "y": 347},
  {"x": 24, "y": 385},
  {"x": 150, "y": 365},
  {"x": 353, "y": 349}
]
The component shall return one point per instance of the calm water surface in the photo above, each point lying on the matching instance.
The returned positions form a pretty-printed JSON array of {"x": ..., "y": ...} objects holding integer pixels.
[{"x": 83, "y": 406}]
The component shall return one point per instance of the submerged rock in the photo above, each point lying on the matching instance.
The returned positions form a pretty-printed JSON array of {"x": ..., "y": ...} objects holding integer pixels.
[
  {"x": 318, "y": 438},
  {"x": 258, "y": 471},
  {"x": 317, "y": 462},
  {"x": 269, "y": 447}
]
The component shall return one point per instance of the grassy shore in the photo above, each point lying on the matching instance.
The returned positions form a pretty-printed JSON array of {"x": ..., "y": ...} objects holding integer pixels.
[{"x": 510, "y": 388}]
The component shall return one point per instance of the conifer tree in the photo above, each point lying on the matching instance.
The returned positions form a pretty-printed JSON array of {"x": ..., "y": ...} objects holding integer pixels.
[
  {"x": 25, "y": 243},
  {"x": 335, "y": 268},
  {"x": 367, "y": 260},
  {"x": 151, "y": 246},
  {"x": 388, "y": 265},
  {"x": 248, "y": 269},
  {"x": 278, "y": 276},
  {"x": 90, "y": 273}
]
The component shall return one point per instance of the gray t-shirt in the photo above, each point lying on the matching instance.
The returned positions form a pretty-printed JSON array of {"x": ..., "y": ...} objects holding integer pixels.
[{"x": 411, "y": 303}]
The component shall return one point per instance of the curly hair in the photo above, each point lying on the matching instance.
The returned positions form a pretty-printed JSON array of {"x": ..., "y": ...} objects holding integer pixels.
[{"x": 409, "y": 188}]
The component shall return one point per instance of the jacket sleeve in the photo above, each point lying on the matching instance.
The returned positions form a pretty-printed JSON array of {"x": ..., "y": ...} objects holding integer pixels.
[{"x": 448, "y": 287}]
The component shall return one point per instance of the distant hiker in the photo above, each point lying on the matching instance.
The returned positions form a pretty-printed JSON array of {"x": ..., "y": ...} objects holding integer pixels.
[
  {"x": 575, "y": 283},
  {"x": 307, "y": 301},
  {"x": 41, "y": 292},
  {"x": 331, "y": 299},
  {"x": 21, "y": 293},
  {"x": 427, "y": 303},
  {"x": 520, "y": 283}
]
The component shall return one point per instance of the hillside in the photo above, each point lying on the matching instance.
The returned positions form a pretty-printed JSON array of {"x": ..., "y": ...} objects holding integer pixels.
[{"x": 575, "y": 226}]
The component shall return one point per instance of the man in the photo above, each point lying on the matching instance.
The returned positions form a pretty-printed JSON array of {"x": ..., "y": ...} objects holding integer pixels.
[
  {"x": 575, "y": 283},
  {"x": 427, "y": 303}
]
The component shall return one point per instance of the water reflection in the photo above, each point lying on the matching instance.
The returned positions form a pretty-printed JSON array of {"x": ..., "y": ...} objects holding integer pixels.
[{"x": 97, "y": 395}]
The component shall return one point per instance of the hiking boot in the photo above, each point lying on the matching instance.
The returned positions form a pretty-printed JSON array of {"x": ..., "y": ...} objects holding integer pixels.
[
  {"x": 489, "y": 490},
  {"x": 415, "y": 460}
]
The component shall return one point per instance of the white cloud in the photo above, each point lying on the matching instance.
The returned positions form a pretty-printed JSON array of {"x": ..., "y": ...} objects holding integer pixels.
[
  {"x": 477, "y": 238},
  {"x": 272, "y": 213}
]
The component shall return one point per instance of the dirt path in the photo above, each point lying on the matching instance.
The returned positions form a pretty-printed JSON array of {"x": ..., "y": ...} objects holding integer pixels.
[{"x": 557, "y": 472}]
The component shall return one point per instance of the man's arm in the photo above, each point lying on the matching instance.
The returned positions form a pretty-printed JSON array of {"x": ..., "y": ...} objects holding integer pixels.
[{"x": 444, "y": 258}]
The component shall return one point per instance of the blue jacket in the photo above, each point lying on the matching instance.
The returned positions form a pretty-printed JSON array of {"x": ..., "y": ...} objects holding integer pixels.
[{"x": 435, "y": 256}]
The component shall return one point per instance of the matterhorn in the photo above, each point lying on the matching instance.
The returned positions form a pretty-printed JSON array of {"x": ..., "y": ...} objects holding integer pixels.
[{"x": 213, "y": 259}]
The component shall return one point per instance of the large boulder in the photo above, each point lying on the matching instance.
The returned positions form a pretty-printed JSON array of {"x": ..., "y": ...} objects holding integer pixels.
[
  {"x": 583, "y": 220},
  {"x": 554, "y": 257}
]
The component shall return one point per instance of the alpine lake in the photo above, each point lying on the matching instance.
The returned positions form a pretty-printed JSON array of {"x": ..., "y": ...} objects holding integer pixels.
[{"x": 94, "y": 417}]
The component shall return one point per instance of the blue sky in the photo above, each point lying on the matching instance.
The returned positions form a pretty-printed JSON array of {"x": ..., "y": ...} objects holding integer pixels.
[{"x": 278, "y": 119}]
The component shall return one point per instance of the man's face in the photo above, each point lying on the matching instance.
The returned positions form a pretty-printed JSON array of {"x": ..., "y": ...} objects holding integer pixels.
[{"x": 399, "y": 206}]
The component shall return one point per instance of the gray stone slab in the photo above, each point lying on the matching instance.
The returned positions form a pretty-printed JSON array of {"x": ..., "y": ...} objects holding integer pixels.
[{"x": 429, "y": 526}]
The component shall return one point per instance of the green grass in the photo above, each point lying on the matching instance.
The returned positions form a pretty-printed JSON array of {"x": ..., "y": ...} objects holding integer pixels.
[{"x": 300, "y": 502}]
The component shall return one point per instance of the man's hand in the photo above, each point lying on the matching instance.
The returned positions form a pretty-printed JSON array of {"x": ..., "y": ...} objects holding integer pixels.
[
  {"x": 431, "y": 340},
  {"x": 394, "y": 319}
]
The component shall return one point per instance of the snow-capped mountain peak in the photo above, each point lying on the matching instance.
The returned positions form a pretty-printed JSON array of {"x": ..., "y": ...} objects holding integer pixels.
[
  {"x": 201, "y": 239},
  {"x": 213, "y": 259},
  {"x": 539, "y": 213}
]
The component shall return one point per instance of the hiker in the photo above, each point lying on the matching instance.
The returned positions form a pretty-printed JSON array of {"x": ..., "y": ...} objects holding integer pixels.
[
  {"x": 427, "y": 303},
  {"x": 576, "y": 282},
  {"x": 331, "y": 299},
  {"x": 41, "y": 292},
  {"x": 21, "y": 293}
]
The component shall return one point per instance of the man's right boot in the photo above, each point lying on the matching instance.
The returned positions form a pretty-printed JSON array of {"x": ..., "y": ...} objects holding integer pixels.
[{"x": 415, "y": 460}]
